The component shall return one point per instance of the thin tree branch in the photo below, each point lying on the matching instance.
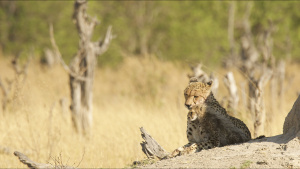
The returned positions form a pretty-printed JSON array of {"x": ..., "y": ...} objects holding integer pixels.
[
  {"x": 57, "y": 52},
  {"x": 102, "y": 46}
]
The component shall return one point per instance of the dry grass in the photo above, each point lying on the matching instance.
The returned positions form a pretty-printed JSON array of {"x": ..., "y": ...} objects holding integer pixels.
[{"x": 144, "y": 92}]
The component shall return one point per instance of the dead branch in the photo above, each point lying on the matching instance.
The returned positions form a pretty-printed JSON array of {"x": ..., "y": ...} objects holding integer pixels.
[
  {"x": 256, "y": 93},
  {"x": 58, "y": 54},
  {"x": 31, "y": 164},
  {"x": 102, "y": 46},
  {"x": 34, "y": 165},
  {"x": 82, "y": 66},
  {"x": 150, "y": 147}
]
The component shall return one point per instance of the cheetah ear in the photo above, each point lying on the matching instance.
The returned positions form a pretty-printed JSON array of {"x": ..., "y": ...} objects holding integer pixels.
[
  {"x": 193, "y": 79},
  {"x": 209, "y": 83}
]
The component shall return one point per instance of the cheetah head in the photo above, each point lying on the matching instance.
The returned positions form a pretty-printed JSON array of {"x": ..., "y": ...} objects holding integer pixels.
[{"x": 196, "y": 93}]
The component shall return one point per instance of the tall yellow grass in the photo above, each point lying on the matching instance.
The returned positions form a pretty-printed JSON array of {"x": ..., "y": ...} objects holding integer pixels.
[{"x": 140, "y": 92}]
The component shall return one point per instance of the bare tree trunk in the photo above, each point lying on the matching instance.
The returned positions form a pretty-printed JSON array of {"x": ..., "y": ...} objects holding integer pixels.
[
  {"x": 233, "y": 90},
  {"x": 260, "y": 110},
  {"x": 84, "y": 64},
  {"x": 82, "y": 67},
  {"x": 251, "y": 67}
]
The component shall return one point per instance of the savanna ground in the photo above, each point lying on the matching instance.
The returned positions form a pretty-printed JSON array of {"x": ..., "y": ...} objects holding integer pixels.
[{"x": 139, "y": 92}]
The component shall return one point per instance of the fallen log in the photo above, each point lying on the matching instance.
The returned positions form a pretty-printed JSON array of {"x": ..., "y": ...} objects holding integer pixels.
[
  {"x": 34, "y": 165},
  {"x": 31, "y": 164}
]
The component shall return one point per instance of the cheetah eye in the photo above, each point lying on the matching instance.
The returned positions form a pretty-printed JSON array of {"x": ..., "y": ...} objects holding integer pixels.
[{"x": 196, "y": 97}]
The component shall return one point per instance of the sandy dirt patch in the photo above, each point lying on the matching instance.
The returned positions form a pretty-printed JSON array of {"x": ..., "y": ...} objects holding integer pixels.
[{"x": 264, "y": 153}]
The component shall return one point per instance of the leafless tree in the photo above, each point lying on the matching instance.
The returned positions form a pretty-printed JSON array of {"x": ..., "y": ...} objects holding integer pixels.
[
  {"x": 257, "y": 73},
  {"x": 82, "y": 67}
]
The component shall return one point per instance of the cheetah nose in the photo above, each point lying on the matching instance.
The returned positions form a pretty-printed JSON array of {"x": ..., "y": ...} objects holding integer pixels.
[{"x": 188, "y": 106}]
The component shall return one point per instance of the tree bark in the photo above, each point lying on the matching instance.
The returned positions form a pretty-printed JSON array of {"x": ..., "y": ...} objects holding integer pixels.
[
  {"x": 233, "y": 91},
  {"x": 151, "y": 148},
  {"x": 82, "y": 67},
  {"x": 31, "y": 164},
  {"x": 257, "y": 93},
  {"x": 84, "y": 64}
]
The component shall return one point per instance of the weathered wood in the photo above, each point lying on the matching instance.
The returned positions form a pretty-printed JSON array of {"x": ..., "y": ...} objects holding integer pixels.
[
  {"x": 34, "y": 165},
  {"x": 258, "y": 73},
  {"x": 233, "y": 91},
  {"x": 151, "y": 148},
  {"x": 82, "y": 67},
  {"x": 257, "y": 99},
  {"x": 31, "y": 164}
]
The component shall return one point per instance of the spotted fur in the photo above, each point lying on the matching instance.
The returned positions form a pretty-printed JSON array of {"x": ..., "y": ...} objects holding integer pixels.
[{"x": 208, "y": 124}]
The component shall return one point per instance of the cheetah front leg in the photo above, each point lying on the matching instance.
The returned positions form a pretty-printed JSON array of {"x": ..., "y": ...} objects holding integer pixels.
[
  {"x": 194, "y": 147},
  {"x": 183, "y": 150}
]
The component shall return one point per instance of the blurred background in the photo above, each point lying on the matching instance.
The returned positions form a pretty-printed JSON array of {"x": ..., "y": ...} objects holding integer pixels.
[{"x": 140, "y": 79}]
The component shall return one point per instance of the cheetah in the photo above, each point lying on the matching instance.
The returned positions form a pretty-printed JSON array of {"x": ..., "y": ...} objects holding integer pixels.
[{"x": 208, "y": 124}]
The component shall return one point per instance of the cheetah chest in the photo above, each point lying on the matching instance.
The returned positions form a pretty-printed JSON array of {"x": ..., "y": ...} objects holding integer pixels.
[{"x": 195, "y": 132}]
